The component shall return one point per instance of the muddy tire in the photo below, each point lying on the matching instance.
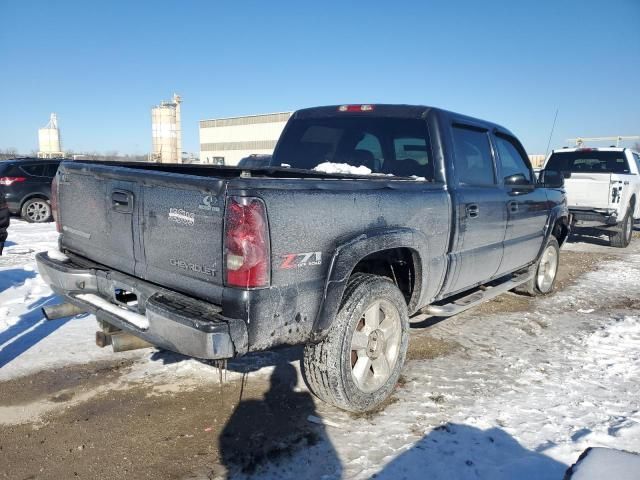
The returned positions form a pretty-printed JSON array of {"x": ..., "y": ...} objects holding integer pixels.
[
  {"x": 357, "y": 365},
  {"x": 36, "y": 210},
  {"x": 544, "y": 271},
  {"x": 622, "y": 239}
]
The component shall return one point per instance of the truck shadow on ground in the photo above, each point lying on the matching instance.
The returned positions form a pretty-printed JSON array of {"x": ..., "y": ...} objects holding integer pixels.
[
  {"x": 453, "y": 451},
  {"x": 248, "y": 363},
  {"x": 593, "y": 238},
  {"x": 273, "y": 433},
  {"x": 596, "y": 237},
  {"x": 15, "y": 341}
]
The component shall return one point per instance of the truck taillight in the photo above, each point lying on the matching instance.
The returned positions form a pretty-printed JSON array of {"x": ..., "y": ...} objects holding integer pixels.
[
  {"x": 8, "y": 181},
  {"x": 246, "y": 243},
  {"x": 54, "y": 203}
]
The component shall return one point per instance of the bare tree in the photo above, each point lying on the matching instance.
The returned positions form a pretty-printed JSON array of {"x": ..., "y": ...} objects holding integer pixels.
[{"x": 8, "y": 153}]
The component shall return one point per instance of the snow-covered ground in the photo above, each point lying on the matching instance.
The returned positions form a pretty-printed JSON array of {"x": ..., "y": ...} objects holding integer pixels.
[
  {"x": 28, "y": 342},
  {"x": 521, "y": 396}
]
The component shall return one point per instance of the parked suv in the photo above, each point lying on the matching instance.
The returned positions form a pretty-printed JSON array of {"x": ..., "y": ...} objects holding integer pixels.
[
  {"x": 27, "y": 186},
  {"x": 603, "y": 189},
  {"x": 4, "y": 219}
]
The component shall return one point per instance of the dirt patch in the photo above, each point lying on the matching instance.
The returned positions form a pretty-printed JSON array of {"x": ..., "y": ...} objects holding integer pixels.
[
  {"x": 371, "y": 414},
  {"x": 426, "y": 347},
  {"x": 507, "y": 303},
  {"x": 623, "y": 302},
  {"x": 572, "y": 266},
  {"x": 136, "y": 433},
  {"x": 575, "y": 264},
  {"x": 437, "y": 398},
  {"x": 60, "y": 384}
]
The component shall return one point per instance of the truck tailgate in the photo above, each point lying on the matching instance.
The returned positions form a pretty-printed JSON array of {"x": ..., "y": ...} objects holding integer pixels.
[
  {"x": 588, "y": 190},
  {"x": 163, "y": 228}
]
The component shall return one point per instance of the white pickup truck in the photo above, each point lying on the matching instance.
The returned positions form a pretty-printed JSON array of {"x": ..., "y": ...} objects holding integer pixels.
[{"x": 603, "y": 188}]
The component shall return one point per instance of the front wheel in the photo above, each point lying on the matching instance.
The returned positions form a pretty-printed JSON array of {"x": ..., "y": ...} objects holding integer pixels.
[
  {"x": 36, "y": 210},
  {"x": 544, "y": 271},
  {"x": 622, "y": 239},
  {"x": 357, "y": 365}
]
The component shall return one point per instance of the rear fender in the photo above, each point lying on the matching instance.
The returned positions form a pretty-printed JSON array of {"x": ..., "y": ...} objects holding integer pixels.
[{"x": 348, "y": 254}]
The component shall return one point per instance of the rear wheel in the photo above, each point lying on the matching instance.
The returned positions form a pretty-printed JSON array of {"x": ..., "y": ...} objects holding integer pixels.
[
  {"x": 357, "y": 365},
  {"x": 36, "y": 210},
  {"x": 622, "y": 239},
  {"x": 544, "y": 271}
]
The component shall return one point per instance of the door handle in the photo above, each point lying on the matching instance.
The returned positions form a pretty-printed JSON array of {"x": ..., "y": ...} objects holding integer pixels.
[
  {"x": 513, "y": 206},
  {"x": 473, "y": 210},
  {"x": 122, "y": 201}
]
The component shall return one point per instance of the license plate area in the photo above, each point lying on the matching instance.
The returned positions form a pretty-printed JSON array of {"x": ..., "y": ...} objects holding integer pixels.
[{"x": 125, "y": 297}]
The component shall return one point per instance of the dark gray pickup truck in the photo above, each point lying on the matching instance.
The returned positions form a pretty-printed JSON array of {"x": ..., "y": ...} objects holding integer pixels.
[{"x": 433, "y": 212}]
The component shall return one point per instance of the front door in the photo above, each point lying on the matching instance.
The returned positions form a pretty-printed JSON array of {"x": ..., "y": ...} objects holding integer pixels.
[{"x": 527, "y": 208}]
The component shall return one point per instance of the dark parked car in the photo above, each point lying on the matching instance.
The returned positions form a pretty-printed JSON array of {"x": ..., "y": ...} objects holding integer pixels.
[
  {"x": 4, "y": 219},
  {"x": 255, "y": 161},
  {"x": 213, "y": 262},
  {"x": 27, "y": 185}
]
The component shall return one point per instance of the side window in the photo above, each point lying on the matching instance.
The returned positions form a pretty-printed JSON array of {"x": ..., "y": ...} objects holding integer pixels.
[
  {"x": 637, "y": 159},
  {"x": 34, "y": 170},
  {"x": 511, "y": 159},
  {"x": 50, "y": 170},
  {"x": 474, "y": 162}
]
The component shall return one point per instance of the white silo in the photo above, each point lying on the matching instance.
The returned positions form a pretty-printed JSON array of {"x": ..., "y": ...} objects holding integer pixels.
[
  {"x": 166, "y": 131},
  {"x": 49, "y": 145}
]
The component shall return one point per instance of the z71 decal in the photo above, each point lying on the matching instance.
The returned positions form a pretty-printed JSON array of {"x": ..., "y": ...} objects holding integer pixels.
[{"x": 297, "y": 260}]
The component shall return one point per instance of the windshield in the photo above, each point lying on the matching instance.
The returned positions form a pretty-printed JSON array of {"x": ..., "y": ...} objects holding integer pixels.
[
  {"x": 389, "y": 146},
  {"x": 588, "y": 161}
]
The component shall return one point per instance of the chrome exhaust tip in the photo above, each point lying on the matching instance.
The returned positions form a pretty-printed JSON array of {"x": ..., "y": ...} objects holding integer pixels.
[{"x": 53, "y": 312}]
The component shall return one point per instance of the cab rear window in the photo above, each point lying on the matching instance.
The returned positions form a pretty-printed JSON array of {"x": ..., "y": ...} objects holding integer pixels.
[
  {"x": 589, "y": 161},
  {"x": 389, "y": 146}
]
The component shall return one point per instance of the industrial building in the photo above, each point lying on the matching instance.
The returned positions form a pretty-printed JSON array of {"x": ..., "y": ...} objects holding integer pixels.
[
  {"x": 225, "y": 141},
  {"x": 49, "y": 144},
  {"x": 166, "y": 128},
  {"x": 537, "y": 160}
]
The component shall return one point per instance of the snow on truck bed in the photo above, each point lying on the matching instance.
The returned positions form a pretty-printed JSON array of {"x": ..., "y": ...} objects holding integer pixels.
[{"x": 520, "y": 397}]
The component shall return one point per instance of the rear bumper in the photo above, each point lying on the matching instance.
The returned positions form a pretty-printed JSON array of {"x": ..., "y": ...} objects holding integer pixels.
[
  {"x": 594, "y": 219},
  {"x": 162, "y": 317}
]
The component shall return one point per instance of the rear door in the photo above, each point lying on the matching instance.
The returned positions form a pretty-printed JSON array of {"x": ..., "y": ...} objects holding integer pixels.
[
  {"x": 36, "y": 180},
  {"x": 480, "y": 210},
  {"x": 527, "y": 210}
]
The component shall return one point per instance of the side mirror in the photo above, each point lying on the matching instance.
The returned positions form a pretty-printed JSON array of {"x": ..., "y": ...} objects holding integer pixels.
[
  {"x": 515, "y": 180},
  {"x": 551, "y": 179}
]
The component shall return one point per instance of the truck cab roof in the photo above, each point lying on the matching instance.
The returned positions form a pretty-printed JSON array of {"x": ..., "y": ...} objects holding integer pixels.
[
  {"x": 593, "y": 149},
  {"x": 394, "y": 110}
]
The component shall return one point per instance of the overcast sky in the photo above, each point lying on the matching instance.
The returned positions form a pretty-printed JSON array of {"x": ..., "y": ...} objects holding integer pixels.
[{"x": 102, "y": 65}]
